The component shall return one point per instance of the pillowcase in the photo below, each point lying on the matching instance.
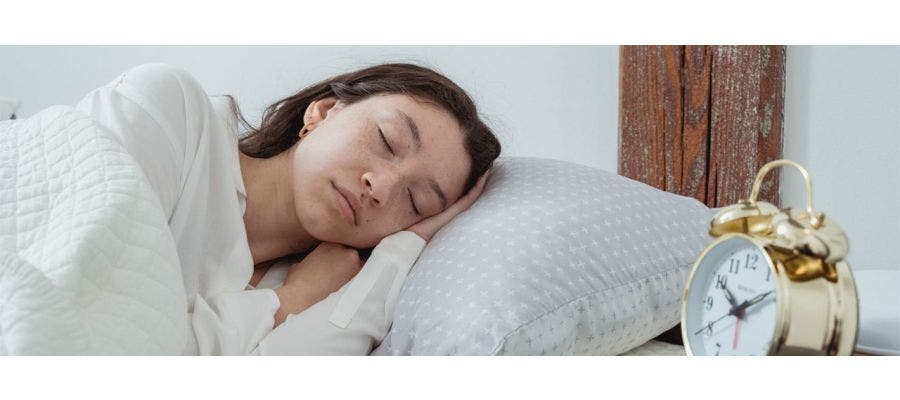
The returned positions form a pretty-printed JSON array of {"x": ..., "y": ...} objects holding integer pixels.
[{"x": 555, "y": 258}]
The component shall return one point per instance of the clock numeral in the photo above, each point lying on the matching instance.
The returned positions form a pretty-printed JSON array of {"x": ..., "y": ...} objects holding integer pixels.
[
  {"x": 708, "y": 331},
  {"x": 721, "y": 281},
  {"x": 752, "y": 265},
  {"x": 718, "y": 348},
  {"x": 733, "y": 265},
  {"x": 709, "y": 303},
  {"x": 768, "y": 274}
]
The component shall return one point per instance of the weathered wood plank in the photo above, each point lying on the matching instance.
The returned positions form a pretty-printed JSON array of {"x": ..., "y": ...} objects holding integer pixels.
[
  {"x": 746, "y": 113},
  {"x": 650, "y": 108},
  {"x": 695, "y": 135}
]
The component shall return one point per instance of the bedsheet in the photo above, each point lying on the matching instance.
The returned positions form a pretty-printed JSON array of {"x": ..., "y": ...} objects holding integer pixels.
[
  {"x": 87, "y": 263},
  {"x": 649, "y": 348},
  {"x": 656, "y": 348}
]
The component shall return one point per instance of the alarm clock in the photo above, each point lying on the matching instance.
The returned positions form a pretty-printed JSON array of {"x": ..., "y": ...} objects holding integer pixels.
[{"x": 773, "y": 282}]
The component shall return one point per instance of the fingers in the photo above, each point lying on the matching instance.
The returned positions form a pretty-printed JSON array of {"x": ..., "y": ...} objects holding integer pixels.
[
  {"x": 429, "y": 226},
  {"x": 482, "y": 182},
  {"x": 476, "y": 190}
]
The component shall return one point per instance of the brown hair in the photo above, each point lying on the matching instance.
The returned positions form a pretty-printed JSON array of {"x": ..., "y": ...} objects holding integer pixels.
[{"x": 283, "y": 120}]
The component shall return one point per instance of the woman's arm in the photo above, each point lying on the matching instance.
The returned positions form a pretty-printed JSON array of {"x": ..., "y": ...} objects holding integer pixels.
[
  {"x": 354, "y": 318},
  {"x": 322, "y": 272}
]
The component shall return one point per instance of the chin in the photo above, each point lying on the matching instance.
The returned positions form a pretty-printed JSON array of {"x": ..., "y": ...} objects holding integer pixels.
[
  {"x": 325, "y": 231},
  {"x": 356, "y": 242},
  {"x": 359, "y": 243},
  {"x": 368, "y": 244}
]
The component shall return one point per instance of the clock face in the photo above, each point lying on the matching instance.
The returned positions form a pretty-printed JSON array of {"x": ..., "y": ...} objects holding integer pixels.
[{"x": 731, "y": 302}]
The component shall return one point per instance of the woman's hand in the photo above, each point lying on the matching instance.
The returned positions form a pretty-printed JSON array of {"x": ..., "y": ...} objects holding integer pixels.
[
  {"x": 323, "y": 271},
  {"x": 426, "y": 228}
]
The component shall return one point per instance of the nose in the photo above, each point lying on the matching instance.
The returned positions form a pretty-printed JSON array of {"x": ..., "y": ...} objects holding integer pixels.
[{"x": 380, "y": 186}]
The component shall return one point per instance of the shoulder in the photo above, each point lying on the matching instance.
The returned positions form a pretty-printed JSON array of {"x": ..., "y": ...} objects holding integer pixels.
[
  {"x": 163, "y": 84},
  {"x": 160, "y": 74}
]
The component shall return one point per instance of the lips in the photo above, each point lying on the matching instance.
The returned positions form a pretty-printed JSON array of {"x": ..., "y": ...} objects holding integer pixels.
[{"x": 346, "y": 203}]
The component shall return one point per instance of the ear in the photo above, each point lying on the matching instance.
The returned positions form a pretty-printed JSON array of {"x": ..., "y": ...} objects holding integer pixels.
[{"x": 318, "y": 110}]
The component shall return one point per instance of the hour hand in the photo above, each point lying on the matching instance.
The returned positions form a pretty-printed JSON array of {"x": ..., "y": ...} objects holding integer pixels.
[{"x": 729, "y": 296}]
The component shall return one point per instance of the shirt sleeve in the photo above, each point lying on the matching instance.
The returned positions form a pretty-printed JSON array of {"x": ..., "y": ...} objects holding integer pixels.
[
  {"x": 232, "y": 323},
  {"x": 353, "y": 320},
  {"x": 164, "y": 119}
]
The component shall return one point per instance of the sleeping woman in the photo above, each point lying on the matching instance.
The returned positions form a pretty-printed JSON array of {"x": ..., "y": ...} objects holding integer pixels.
[{"x": 382, "y": 157}]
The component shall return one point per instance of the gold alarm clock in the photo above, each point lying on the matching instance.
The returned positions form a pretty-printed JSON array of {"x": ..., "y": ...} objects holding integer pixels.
[{"x": 774, "y": 282}]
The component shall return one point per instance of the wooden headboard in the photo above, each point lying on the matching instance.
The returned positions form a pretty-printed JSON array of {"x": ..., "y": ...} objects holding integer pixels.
[{"x": 701, "y": 121}]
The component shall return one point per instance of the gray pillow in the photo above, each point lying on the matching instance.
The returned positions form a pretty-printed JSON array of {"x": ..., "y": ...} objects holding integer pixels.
[{"x": 554, "y": 258}]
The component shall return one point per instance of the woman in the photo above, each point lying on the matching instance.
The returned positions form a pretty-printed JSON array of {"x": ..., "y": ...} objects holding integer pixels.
[{"x": 382, "y": 156}]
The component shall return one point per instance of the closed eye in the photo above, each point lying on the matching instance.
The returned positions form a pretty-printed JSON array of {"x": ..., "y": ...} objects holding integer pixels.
[
  {"x": 383, "y": 139},
  {"x": 412, "y": 202},
  {"x": 388, "y": 145}
]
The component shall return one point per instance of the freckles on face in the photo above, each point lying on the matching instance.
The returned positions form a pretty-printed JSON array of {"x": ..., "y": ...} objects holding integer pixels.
[{"x": 401, "y": 159}]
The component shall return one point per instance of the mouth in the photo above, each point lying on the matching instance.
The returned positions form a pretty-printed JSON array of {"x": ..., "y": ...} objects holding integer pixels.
[{"x": 344, "y": 204}]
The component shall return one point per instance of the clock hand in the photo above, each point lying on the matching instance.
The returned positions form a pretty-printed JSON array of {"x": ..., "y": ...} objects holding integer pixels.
[
  {"x": 737, "y": 334},
  {"x": 747, "y": 303},
  {"x": 738, "y": 310},
  {"x": 731, "y": 300},
  {"x": 709, "y": 325},
  {"x": 759, "y": 298},
  {"x": 748, "y": 312},
  {"x": 729, "y": 296}
]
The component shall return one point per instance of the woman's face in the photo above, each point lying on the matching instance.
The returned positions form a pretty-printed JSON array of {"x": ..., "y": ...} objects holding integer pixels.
[{"x": 390, "y": 186}]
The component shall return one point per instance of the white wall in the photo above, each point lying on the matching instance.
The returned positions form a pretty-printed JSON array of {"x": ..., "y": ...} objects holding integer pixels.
[
  {"x": 842, "y": 122},
  {"x": 557, "y": 102}
]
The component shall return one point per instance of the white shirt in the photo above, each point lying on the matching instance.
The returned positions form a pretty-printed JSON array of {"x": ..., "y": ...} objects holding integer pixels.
[{"x": 189, "y": 153}]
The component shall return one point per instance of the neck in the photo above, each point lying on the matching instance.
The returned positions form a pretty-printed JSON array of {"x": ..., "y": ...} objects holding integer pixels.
[{"x": 273, "y": 228}]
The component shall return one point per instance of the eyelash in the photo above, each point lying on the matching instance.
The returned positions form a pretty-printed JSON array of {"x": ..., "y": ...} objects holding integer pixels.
[
  {"x": 413, "y": 202},
  {"x": 383, "y": 139},
  {"x": 386, "y": 144}
]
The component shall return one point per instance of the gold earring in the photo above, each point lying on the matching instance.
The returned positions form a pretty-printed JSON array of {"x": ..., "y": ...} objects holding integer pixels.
[{"x": 303, "y": 132}]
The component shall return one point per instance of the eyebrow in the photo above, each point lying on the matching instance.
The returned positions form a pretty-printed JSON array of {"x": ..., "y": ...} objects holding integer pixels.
[{"x": 417, "y": 142}]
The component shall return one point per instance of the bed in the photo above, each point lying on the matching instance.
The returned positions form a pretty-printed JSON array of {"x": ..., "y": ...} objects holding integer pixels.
[{"x": 685, "y": 113}]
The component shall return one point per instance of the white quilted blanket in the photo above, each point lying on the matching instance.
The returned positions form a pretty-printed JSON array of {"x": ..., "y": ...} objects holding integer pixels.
[{"x": 87, "y": 262}]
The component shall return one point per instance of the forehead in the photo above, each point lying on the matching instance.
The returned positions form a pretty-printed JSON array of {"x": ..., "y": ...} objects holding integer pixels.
[{"x": 422, "y": 111}]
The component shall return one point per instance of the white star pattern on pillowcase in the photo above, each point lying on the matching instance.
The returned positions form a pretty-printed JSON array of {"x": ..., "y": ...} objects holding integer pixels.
[{"x": 554, "y": 258}]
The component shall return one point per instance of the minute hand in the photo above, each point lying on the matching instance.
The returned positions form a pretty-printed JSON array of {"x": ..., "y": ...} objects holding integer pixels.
[{"x": 747, "y": 303}]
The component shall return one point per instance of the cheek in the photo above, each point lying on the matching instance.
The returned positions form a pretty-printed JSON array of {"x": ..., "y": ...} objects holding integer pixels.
[
  {"x": 378, "y": 227},
  {"x": 402, "y": 216}
]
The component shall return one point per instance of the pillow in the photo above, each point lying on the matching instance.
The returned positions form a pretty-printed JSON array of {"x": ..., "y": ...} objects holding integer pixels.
[{"x": 555, "y": 258}]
